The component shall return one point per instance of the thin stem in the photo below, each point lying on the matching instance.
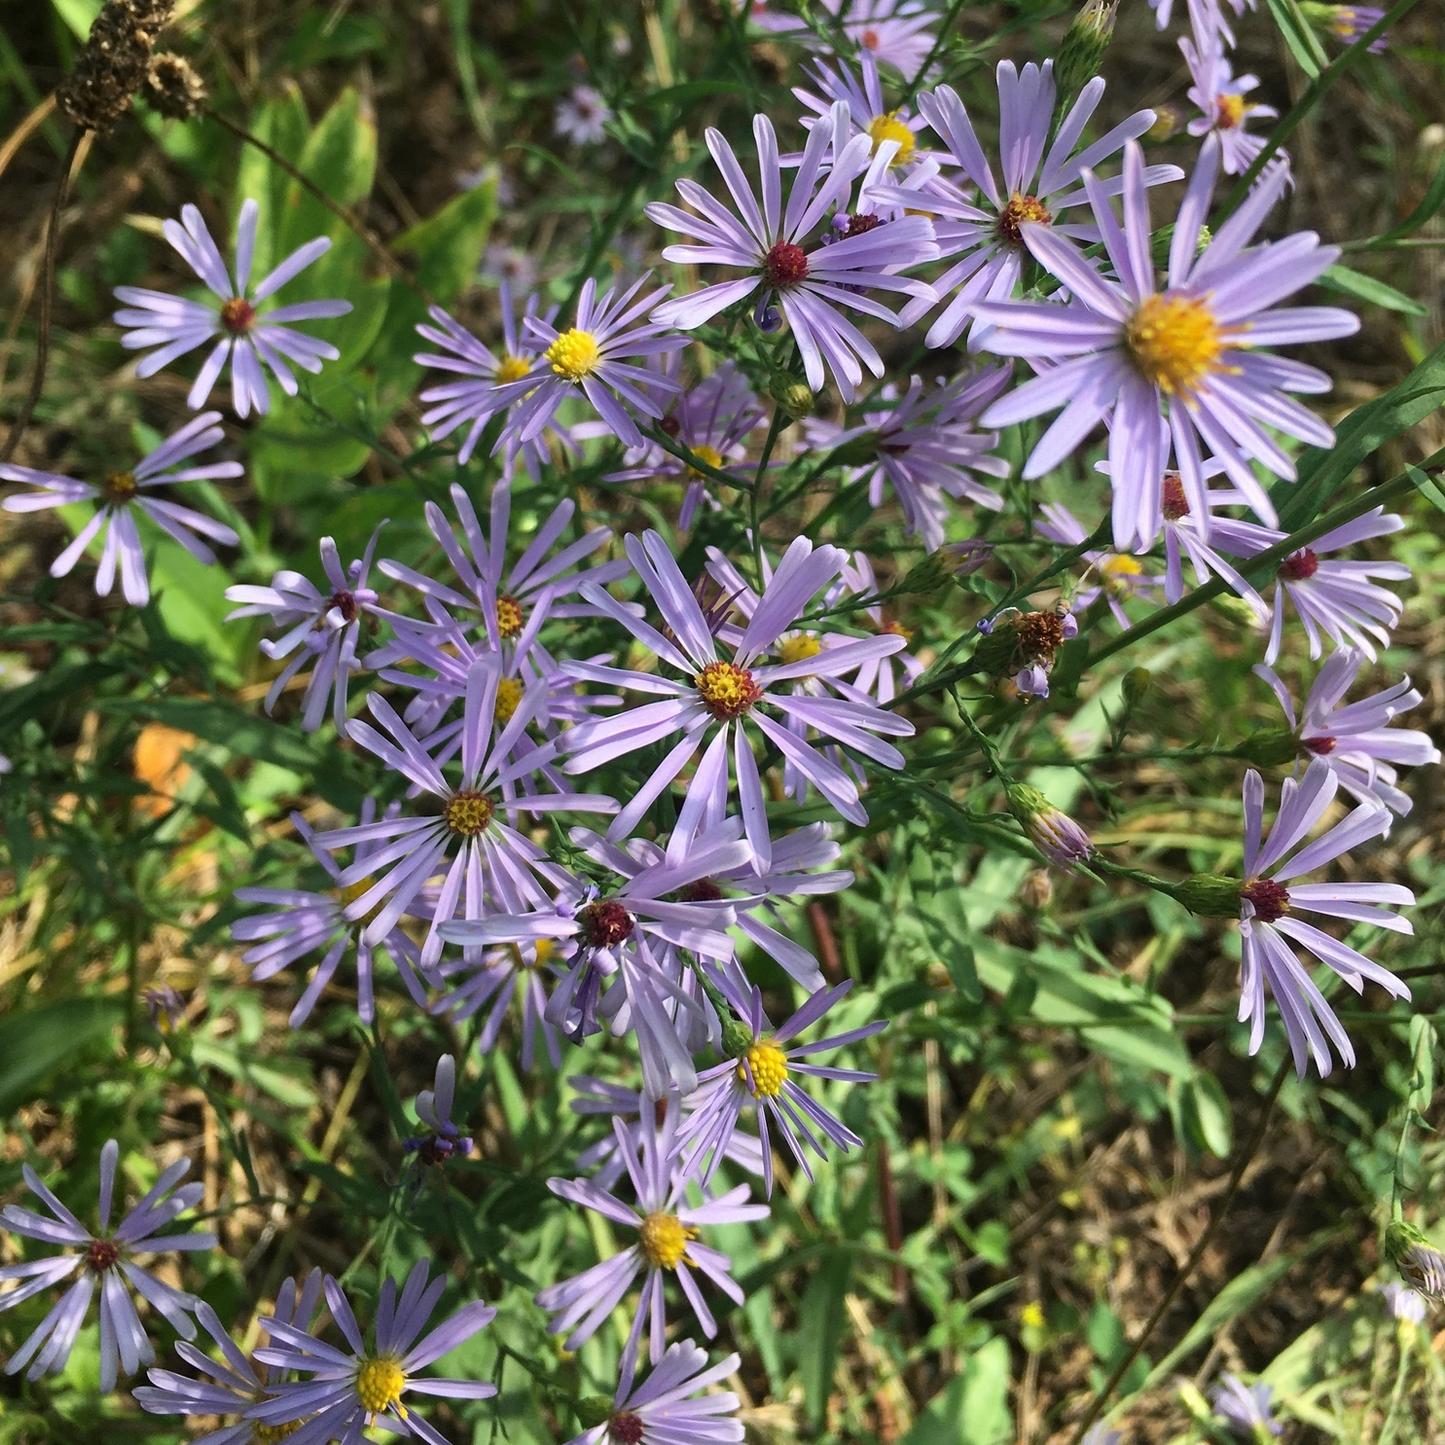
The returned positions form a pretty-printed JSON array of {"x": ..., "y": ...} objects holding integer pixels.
[
  {"x": 348, "y": 217},
  {"x": 1216, "y": 1219},
  {"x": 47, "y": 297}
]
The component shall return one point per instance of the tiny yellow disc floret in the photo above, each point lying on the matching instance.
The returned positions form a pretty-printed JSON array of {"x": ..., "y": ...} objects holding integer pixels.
[
  {"x": 665, "y": 1239},
  {"x": 509, "y": 694},
  {"x": 727, "y": 689},
  {"x": 379, "y": 1384},
  {"x": 512, "y": 368},
  {"x": 468, "y": 813},
  {"x": 1228, "y": 111},
  {"x": 707, "y": 454},
  {"x": 888, "y": 127},
  {"x": 1174, "y": 340},
  {"x": 769, "y": 1066},
  {"x": 510, "y": 617},
  {"x": 574, "y": 354},
  {"x": 799, "y": 647}
]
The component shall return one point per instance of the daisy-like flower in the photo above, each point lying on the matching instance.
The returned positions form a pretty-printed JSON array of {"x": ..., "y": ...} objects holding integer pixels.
[
  {"x": 106, "y": 1262},
  {"x": 1121, "y": 576},
  {"x": 762, "y": 1071},
  {"x": 1204, "y": 538},
  {"x": 175, "y": 326},
  {"x": 1188, "y": 353},
  {"x": 1061, "y": 840},
  {"x": 668, "y": 1242},
  {"x": 582, "y": 116},
  {"x": 323, "y": 628},
  {"x": 630, "y": 933},
  {"x": 1356, "y": 739},
  {"x": 305, "y": 923},
  {"x": 488, "y": 864},
  {"x": 1040, "y": 183},
  {"x": 771, "y": 242},
  {"x": 120, "y": 495},
  {"x": 927, "y": 447},
  {"x": 1245, "y": 1408},
  {"x": 492, "y": 382},
  {"x": 1270, "y": 902},
  {"x": 721, "y": 695},
  {"x": 349, "y": 1392},
  {"x": 867, "y": 111},
  {"x": 673, "y": 1405},
  {"x": 1405, "y": 1305},
  {"x": 492, "y": 982},
  {"x": 507, "y": 264},
  {"x": 713, "y": 421},
  {"x": 434, "y": 1110},
  {"x": 1348, "y": 23},
  {"x": 1220, "y": 95},
  {"x": 881, "y": 677},
  {"x": 232, "y": 1384},
  {"x": 894, "y": 32},
  {"x": 591, "y": 358}
]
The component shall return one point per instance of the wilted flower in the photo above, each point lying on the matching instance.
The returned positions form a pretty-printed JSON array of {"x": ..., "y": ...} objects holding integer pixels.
[
  {"x": 106, "y": 1262},
  {"x": 434, "y": 1110},
  {"x": 122, "y": 491},
  {"x": 1025, "y": 644},
  {"x": 1050, "y": 829},
  {"x": 175, "y": 326}
]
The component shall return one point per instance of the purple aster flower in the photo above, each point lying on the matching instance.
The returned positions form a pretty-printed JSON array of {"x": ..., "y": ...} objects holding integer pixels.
[
  {"x": 349, "y": 1392},
  {"x": 881, "y": 676},
  {"x": 1356, "y": 739},
  {"x": 1189, "y": 352},
  {"x": 762, "y": 1071},
  {"x": 1404, "y": 1304},
  {"x": 323, "y": 628},
  {"x": 661, "y": 1411},
  {"x": 1211, "y": 12},
  {"x": 501, "y": 263},
  {"x": 771, "y": 241},
  {"x": 1041, "y": 181},
  {"x": 668, "y": 1230},
  {"x": 589, "y": 357},
  {"x": 868, "y": 114},
  {"x": 175, "y": 326},
  {"x": 713, "y": 421},
  {"x": 306, "y": 923},
  {"x": 732, "y": 691},
  {"x": 1203, "y": 538},
  {"x": 1121, "y": 577},
  {"x": 1270, "y": 902},
  {"x": 232, "y": 1384},
  {"x": 926, "y": 446},
  {"x": 492, "y": 981},
  {"x": 165, "y": 1007},
  {"x": 895, "y": 32},
  {"x": 122, "y": 491},
  {"x": 106, "y": 1262},
  {"x": 434, "y": 1109},
  {"x": 492, "y": 382},
  {"x": 582, "y": 116},
  {"x": 487, "y": 862},
  {"x": 1245, "y": 1409},
  {"x": 630, "y": 934},
  {"x": 1220, "y": 96},
  {"x": 1349, "y": 23},
  {"x": 636, "y": 1110}
]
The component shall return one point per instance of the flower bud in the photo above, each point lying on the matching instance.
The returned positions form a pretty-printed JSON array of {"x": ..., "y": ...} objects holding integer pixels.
[
  {"x": 593, "y": 1410},
  {"x": 1210, "y": 895},
  {"x": 1051, "y": 830},
  {"x": 1269, "y": 748},
  {"x": 1083, "y": 47},
  {"x": 963, "y": 559},
  {"x": 1168, "y": 120},
  {"x": 1036, "y": 892},
  {"x": 928, "y": 576},
  {"x": 1137, "y": 682},
  {"x": 794, "y": 398},
  {"x": 1422, "y": 1265},
  {"x": 737, "y": 1037}
]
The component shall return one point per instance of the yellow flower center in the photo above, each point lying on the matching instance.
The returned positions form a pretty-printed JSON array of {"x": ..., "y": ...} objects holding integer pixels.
[
  {"x": 510, "y": 616},
  {"x": 769, "y": 1065},
  {"x": 1021, "y": 208},
  {"x": 513, "y": 368},
  {"x": 468, "y": 813},
  {"x": 888, "y": 127},
  {"x": 119, "y": 487},
  {"x": 892, "y": 627},
  {"x": 727, "y": 689},
  {"x": 379, "y": 1384},
  {"x": 574, "y": 354},
  {"x": 509, "y": 694},
  {"x": 1174, "y": 341},
  {"x": 710, "y": 455},
  {"x": 542, "y": 950},
  {"x": 1122, "y": 567},
  {"x": 665, "y": 1239},
  {"x": 799, "y": 648},
  {"x": 1229, "y": 110}
]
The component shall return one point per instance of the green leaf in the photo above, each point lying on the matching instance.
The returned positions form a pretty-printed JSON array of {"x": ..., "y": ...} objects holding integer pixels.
[
  {"x": 283, "y": 124},
  {"x": 192, "y": 600},
  {"x": 1367, "y": 288},
  {"x": 946, "y": 928},
  {"x": 821, "y": 1325},
  {"x": 283, "y": 1087},
  {"x": 1427, "y": 486},
  {"x": 1207, "y": 1119},
  {"x": 448, "y": 245},
  {"x": 1304, "y": 45},
  {"x": 973, "y": 1410},
  {"x": 37, "y": 1042},
  {"x": 79, "y": 15}
]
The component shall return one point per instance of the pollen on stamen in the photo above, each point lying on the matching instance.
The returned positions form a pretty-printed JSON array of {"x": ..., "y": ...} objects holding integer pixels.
[
  {"x": 764, "y": 1069},
  {"x": 509, "y": 693},
  {"x": 798, "y": 648},
  {"x": 1021, "y": 208},
  {"x": 512, "y": 368},
  {"x": 709, "y": 456},
  {"x": 1174, "y": 341},
  {"x": 728, "y": 691},
  {"x": 606, "y": 924},
  {"x": 664, "y": 1239},
  {"x": 510, "y": 617},
  {"x": 574, "y": 354},
  {"x": 1228, "y": 111},
  {"x": 379, "y": 1384}
]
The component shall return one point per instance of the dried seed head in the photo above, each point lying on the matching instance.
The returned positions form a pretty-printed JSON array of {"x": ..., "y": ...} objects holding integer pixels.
[
  {"x": 175, "y": 88},
  {"x": 114, "y": 63}
]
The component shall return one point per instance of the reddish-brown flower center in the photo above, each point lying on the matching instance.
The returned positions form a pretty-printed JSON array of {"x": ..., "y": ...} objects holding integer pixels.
[
  {"x": 238, "y": 316},
  {"x": 785, "y": 265},
  {"x": 626, "y": 1427},
  {"x": 101, "y": 1256},
  {"x": 1320, "y": 747},
  {"x": 1270, "y": 899},
  {"x": 703, "y": 891},
  {"x": 870, "y": 40},
  {"x": 670, "y": 426},
  {"x": 1040, "y": 635},
  {"x": 1021, "y": 209},
  {"x": 728, "y": 690},
  {"x": 1302, "y": 565},
  {"x": 345, "y": 603},
  {"x": 860, "y": 223},
  {"x": 1175, "y": 505},
  {"x": 605, "y": 924},
  {"x": 510, "y": 616}
]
